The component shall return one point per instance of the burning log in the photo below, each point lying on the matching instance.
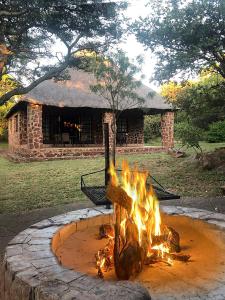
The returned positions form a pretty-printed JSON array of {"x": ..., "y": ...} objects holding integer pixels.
[
  {"x": 104, "y": 258},
  {"x": 155, "y": 257},
  {"x": 129, "y": 261},
  {"x": 117, "y": 195},
  {"x": 170, "y": 236},
  {"x": 106, "y": 231},
  {"x": 127, "y": 253},
  {"x": 138, "y": 237}
]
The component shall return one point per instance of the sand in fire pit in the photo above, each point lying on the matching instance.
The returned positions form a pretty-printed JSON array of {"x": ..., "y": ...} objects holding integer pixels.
[{"x": 203, "y": 242}]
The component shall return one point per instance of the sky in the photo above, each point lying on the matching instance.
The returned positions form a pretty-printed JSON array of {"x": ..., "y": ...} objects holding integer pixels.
[{"x": 134, "y": 48}]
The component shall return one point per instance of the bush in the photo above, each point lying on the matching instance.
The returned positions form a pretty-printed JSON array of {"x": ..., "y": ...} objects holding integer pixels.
[
  {"x": 188, "y": 135},
  {"x": 216, "y": 132},
  {"x": 152, "y": 127}
]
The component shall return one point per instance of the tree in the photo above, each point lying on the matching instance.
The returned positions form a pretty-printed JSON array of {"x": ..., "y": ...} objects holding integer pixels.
[
  {"x": 202, "y": 100},
  {"x": 39, "y": 38},
  {"x": 170, "y": 91},
  {"x": 7, "y": 84},
  {"x": 186, "y": 36},
  {"x": 116, "y": 84}
]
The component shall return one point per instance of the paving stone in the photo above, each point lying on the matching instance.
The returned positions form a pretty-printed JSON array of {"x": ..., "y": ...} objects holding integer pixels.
[
  {"x": 40, "y": 241},
  {"x": 13, "y": 250},
  {"x": 67, "y": 276},
  {"x": 218, "y": 223},
  {"x": 43, "y": 224},
  {"x": 19, "y": 239},
  {"x": 44, "y": 262},
  {"x": 74, "y": 294}
]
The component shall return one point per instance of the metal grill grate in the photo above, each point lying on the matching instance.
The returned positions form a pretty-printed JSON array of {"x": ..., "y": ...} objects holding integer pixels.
[{"x": 97, "y": 194}]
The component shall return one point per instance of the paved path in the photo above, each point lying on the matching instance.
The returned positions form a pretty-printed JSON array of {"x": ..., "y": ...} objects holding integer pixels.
[{"x": 12, "y": 224}]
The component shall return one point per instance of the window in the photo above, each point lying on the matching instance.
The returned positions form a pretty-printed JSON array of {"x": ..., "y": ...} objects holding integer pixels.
[{"x": 122, "y": 125}]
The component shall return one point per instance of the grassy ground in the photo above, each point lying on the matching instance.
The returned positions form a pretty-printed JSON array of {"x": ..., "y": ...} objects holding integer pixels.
[
  {"x": 3, "y": 146},
  {"x": 26, "y": 186}
]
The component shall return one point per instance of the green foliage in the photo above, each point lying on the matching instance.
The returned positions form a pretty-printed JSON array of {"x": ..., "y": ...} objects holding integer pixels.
[
  {"x": 188, "y": 135},
  {"x": 3, "y": 122},
  {"x": 170, "y": 90},
  {"x": 152, "y": 127},
  {"x": 116, "y": 84},
  {"x": 186, "y": 36},
  {"x": 203, "y": 100},
  {"x": 216, "y": 132},
  {"x": 38, "y": 39},
  {"x": 6, "y": 84},
  {"x": 115, "y": 80}
]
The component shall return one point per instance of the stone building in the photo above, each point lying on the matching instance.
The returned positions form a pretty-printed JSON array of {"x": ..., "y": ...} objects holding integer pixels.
[{"x": 65, "y": 119}]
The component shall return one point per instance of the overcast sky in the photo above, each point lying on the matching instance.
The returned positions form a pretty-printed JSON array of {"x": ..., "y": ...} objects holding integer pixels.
[{"x": 133, "y": 48}]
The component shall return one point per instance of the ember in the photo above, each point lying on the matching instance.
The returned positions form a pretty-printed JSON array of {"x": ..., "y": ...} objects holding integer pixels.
[{"x": 138, "y": 238}]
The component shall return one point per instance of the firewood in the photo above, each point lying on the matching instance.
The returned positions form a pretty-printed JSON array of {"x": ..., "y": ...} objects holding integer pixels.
[
  {"x": 154, "y": 257},
  {"x": 128, "y": 254},
  {"x": 117, "y": 195},
  {"x": 170, "y": 237},
  {"x": 173, "y": 240},
  {"x": 179, "y": 257},
  {"x": 106, "y": 231},
  {"x": 130, "y": 261}
]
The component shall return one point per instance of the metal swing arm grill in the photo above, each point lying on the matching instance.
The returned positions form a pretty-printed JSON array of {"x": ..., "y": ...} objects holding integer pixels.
[{"x": 97, "y": 193}]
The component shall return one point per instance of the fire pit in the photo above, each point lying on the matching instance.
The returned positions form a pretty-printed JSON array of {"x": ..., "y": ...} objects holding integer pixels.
[{"x": 32, "y": 271}]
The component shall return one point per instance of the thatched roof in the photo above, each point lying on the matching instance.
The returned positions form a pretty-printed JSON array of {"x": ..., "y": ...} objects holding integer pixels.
[{"x": 76, "y": 93}]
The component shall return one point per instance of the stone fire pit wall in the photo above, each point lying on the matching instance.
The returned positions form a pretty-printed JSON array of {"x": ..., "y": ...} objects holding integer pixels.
[{"x": 31, "y": 271}]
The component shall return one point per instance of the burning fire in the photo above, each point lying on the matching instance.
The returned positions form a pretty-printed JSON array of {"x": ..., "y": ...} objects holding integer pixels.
[
  {"x": 145, "y": 211},
  {"x": 139, "y": 236}
]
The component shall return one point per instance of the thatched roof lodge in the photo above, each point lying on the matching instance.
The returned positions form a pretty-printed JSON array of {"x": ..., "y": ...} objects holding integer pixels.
[{"x": 65, "y": 119}]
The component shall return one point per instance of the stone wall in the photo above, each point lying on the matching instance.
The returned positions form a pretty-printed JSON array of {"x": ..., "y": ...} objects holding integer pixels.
[
  {"x": 167, "y": 129},
  {"x": 27, "y": 141},
  {"x": 136, "y": 130},
  {"x": 107, "y": 117},
  {"x": 34, "y": 126},
  {"x": 31, "y": 271},
  {"x": 17, "y": 129},
  {"x": 135, "y": 127},
  {"x": 53, "y": 153}
]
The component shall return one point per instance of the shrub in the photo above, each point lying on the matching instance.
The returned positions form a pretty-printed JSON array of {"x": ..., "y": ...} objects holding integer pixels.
[
  {"x": 188, "y": 135},
  {"x": 216, "y": 132},
  {"x": 152, "y": 127}
]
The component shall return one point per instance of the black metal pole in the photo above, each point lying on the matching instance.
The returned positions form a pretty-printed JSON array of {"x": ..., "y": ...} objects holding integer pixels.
[{"x": 106, "y": 141}]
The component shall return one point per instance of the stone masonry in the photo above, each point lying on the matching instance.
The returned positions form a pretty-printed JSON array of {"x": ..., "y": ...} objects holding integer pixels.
[
  {"x": 136, "y": 130},
  {"x": 107, "y": 117},
  {"x": 167, "y": 129},
  {"x": 32, "y": 272},
  {"x": 34, "y": 126},
  {"x": 26, "y": 136},
  {"x": 17, "y": 129}
]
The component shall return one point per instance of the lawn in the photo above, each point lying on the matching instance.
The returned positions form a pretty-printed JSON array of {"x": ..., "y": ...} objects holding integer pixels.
[{"x": 26, "y": 186}]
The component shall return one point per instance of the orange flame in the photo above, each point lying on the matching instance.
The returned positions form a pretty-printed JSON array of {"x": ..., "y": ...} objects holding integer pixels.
[{"x": 145, "y": 211}]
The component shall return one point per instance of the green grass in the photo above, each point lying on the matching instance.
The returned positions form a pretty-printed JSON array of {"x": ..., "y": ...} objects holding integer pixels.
[
  {"x": 26, "y": 186},
  {"x": 3, "y": 146},
  {"x": 206, "y": 147}
]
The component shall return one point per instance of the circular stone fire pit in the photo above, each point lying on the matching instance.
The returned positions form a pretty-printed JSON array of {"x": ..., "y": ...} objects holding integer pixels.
[{"x": 31, "y": 270}]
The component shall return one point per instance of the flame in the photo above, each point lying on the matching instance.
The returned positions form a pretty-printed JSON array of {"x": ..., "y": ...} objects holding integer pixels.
[{"x": 145, "y": 212}]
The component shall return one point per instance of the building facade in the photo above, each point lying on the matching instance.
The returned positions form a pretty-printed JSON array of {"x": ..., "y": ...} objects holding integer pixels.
[{"x": 42, "y": 126}]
